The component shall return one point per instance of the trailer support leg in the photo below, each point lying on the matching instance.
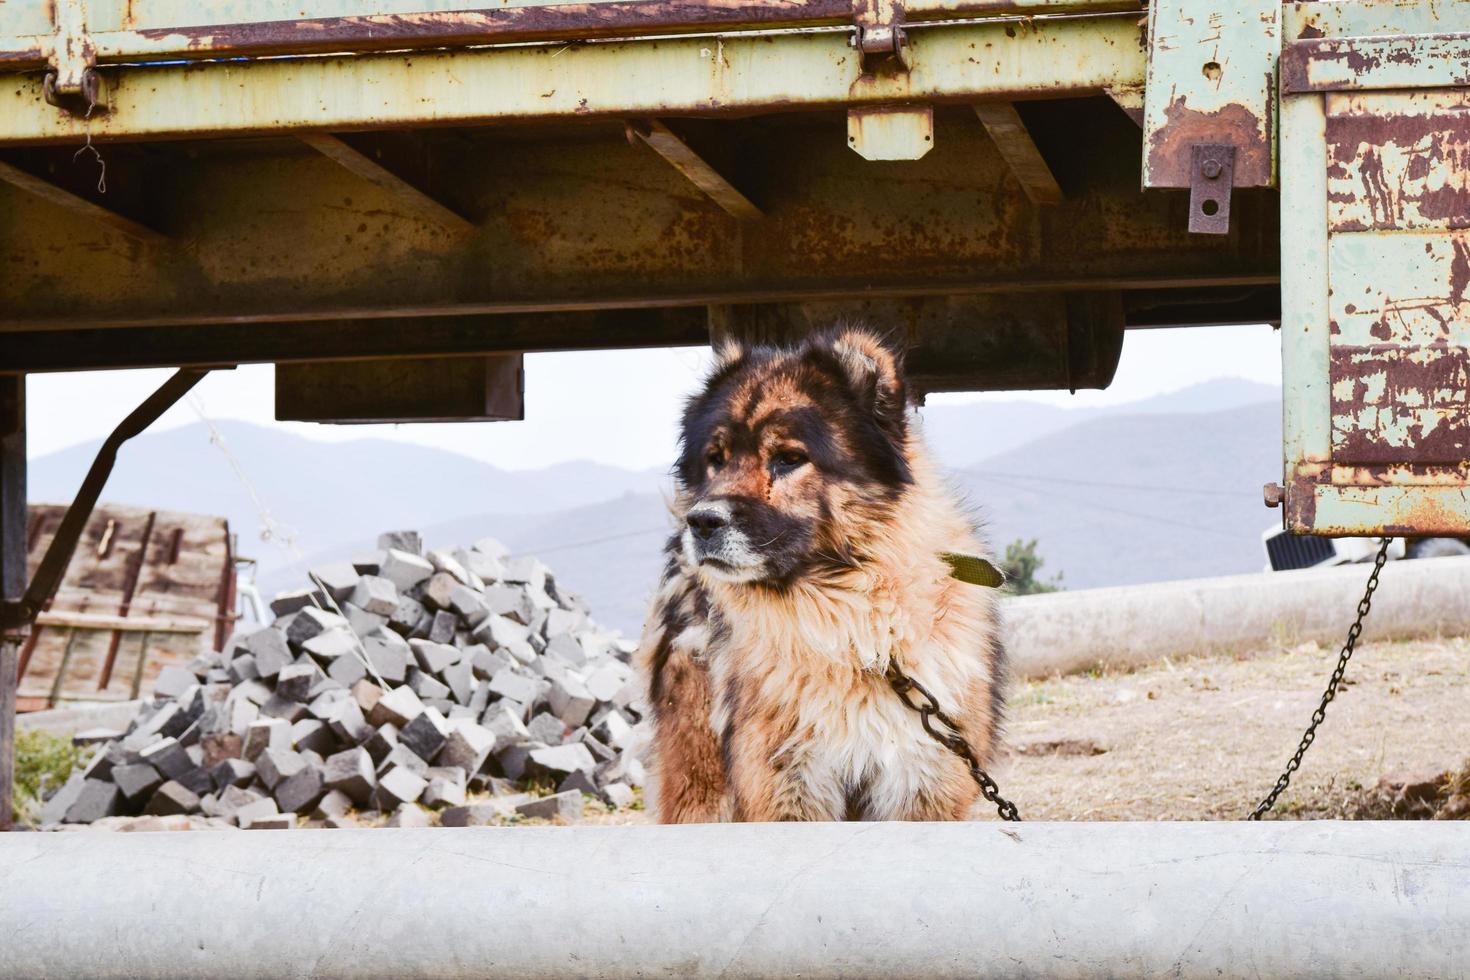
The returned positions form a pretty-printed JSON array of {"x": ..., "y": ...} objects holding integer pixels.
[{"x": 12, "y": 567}]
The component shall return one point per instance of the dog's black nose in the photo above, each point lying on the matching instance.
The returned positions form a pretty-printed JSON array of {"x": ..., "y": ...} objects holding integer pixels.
[{"x": 705, "y": 522}]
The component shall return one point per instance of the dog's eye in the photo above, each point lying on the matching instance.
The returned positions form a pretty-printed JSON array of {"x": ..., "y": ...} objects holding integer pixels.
[
  {"x": 715, "y": 458},
  {"x": 789, "y": 459}
]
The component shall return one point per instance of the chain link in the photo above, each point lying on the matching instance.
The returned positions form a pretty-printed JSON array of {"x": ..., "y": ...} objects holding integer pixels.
[
  {"x": 1318, "y": 716},
  {"x": 906, "y": 687}
]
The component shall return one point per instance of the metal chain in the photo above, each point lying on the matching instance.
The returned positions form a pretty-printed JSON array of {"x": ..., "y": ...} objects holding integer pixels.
[
  {"x": 1310, "y": 735},
  {"x": 905, "y": 687}
]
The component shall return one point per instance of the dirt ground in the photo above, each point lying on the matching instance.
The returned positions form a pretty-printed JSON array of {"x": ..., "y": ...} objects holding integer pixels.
[{"x": 1205, "y": 739}]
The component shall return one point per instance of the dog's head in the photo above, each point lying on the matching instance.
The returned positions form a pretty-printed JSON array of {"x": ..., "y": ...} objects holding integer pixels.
[{"x": 788, "y": 455}]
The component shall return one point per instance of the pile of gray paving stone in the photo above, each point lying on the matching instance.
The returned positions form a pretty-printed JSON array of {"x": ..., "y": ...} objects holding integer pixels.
[{"x": 457, "y": 687}]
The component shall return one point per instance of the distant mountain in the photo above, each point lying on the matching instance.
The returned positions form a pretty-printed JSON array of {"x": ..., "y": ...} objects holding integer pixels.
[
  {"x": 328, "y": 492},
  {"x": 961, "y": 435}
]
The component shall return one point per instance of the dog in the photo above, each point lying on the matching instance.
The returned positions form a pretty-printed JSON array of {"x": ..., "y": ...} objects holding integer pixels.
[{"x": 808, "y": 559}]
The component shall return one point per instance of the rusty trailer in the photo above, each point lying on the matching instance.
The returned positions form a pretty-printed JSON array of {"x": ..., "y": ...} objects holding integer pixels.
[{"x": 343, "y": 188}]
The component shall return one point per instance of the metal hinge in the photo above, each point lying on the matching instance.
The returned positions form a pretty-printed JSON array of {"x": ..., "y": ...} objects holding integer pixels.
[
  {"x": 72, "y": 83},
  {"x": 1211, "y": 177},
  {"x": 880, "y": 39}
]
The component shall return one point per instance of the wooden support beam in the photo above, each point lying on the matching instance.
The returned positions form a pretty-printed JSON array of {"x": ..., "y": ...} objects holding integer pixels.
[
  {"x": 689, "y": 163},
  {"x": 128, "y": 624},
  {"x": 43, "y": 188},
  {"x": 370, "y": 170},
  {"x": 1019, "y": 151}
]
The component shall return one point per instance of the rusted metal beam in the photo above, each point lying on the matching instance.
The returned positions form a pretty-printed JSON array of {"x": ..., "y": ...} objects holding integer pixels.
[
  {"x": 61, "y": 197},
  {"x": 736, "y": 74},
  {"x": 1411, "y": 61},
  {"x": 682, "y": 157},
  {"x": 488, "y": 388},
  {"x": 1019, "y": 151},
  {"x": 415, "y": 200},
  {"x": 150, "y": 31}
]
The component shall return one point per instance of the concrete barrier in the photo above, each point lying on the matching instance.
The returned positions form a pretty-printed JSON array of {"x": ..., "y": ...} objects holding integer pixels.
[
  {"x": 1128, "y": 626},
  {"x": 810, "y": 900},
  {"x": 68, "y": 721}
]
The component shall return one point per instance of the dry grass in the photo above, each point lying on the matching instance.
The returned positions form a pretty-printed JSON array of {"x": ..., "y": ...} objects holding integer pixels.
[{"x": 1205, "y": 739}]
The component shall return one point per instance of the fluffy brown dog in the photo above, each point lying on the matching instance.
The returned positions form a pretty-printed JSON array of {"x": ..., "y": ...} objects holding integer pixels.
[{"x": 808, "y": 560}]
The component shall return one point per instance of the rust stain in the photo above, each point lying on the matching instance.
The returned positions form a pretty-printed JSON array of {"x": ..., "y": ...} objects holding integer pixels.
[
  {"x": 1170, "y": 147},
  {"x": 1409, "y": 169},
  {"x": 1398, "y": 404}
]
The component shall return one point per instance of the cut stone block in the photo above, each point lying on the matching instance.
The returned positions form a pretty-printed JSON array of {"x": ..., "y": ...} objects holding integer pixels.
[
  {"x": 347, "y": 722},
  {"x": 338, "y": 579},
  {"x": 560, "y": 806},
  {"x": 513, "y": 760},
  {"x": 604, "y": 682},
  {"x": 242, "y": 669},
  {"x": 565, "y": 648},
  {"x": 286, "y": 603},
  {"x": 300, "y": 792},
  {"x": 311, "y": 735},
  {"x": 334, "y": 804},
  {"x": 97, "y": 799},
  {"x": 366, "y": 694},
  {"x": 509, "y": 684},
  {"x": 312, "y": 622},
  {"x": 437, "y": 589},
  {"x": 558, "y": 762},
  {"x": 426, "y": 685},
  {"x": 168, "y": 757},
  {"x": 487, "y": 663},
  {"x": 382, "y": 741},
  {"x": 398, "y": 707},
  {"x": 410, "y": 815},
  {"x": 442, "y": 627},
  {"x": 468, "y": 746},
  {"x": 327, "y": 646},
  {"x": 505, "y": 724},
  {"x": 404, "y": 569},
  {"x": 521, "y": 651},
  {"x": 547, "y": 727},
  {"x": 467, "y": 604},
  {"x": 402, "y": 756},
  {"x": 570, "y": 700},
  {"x": 410, "y": 541},
  {"x": 446, "y": 788},
  {"x": 268, "y": 647},
  {"x": 375, "y": 595},
  {"x": 274, "y": 821},
  {"x": 273, "y": 766},
  {"x": 619, "y": 795},
  {"x": 399, "y": 786},
  {"x": 136, "y": 782},
  {"x": 347, "y": 670},
  {"x": 362, "y": 622},
  {"x": 388, "y": 653},
  {"x": 295, "y": 682},
  {"x": 266, "y": 733},
  {"x": 614, "y": 731},
  {"x": 171, "y": 798},
  {"x": 219, "y": 746},
  {"x": 459, "y": 678},
  {"x": 433, "y": 657},
  {"x": 352, "y": 773},
  {"x": 283, "y": 708},
  {"x": 499, "y": 631},
  {"x": 408, "y": 615},
  {"x": 426, "y": 734},
  {"x": 55, "y": 808},
  {"x": 232, "y": 772},
  {"x": 475, "y": 815},
  {"x": 173, "y": 681}
]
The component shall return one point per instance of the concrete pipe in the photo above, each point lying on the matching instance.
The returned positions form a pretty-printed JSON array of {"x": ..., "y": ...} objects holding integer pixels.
[
  {"x": 810, "y": 900},
  {"x": 1133, "y": 625}
]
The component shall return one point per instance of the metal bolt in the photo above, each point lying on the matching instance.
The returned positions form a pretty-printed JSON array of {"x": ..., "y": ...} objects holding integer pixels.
[
  {"x": 1274, "y": 494},
  {"x": 1211, "y": 168}
]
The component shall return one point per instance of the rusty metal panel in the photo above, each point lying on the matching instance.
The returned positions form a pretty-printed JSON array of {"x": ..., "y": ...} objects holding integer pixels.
[
  {"x": 1409, "y": 61},
  {"x": 1307, "y": 19},
  {"x": 1359, "y": 511},
  {"x": 429, "y": 389},
  {"x": 1211, "y": 80},
  {"x": 1398, "y": 160},
  {"x": 1400, "y": 347}
]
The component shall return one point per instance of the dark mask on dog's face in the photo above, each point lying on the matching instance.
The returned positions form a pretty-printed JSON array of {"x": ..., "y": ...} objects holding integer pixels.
[{"x": 788, "y": 454}]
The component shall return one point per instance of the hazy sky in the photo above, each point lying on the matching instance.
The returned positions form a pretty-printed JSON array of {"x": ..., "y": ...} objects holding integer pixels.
[{"x": 617, "y": 407}]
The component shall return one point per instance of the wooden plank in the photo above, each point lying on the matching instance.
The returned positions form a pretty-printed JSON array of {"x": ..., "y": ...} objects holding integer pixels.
[
  {"x": 689, "y": 163},
  {"x": 364, "y": 166},
  {"x": 79, "y": 205},
  {"x": 1019, "y": 151},
  {"x": 101, "y": 621}
]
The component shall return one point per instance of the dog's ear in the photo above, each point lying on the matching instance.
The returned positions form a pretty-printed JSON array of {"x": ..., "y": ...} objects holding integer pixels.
[
  {"x": 728, "y": 351},
  {"x": 876, "y": 377}
]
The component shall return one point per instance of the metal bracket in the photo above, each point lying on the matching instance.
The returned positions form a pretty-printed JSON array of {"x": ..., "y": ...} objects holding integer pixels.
[
  {"x": 72, "y": 83},
  {"x": 1211, "y": 176},
  {"x": 16, "y": 616},
  {"x": 880, "y": 39}
]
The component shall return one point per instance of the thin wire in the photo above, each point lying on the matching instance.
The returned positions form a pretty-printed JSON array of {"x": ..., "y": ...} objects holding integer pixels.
[
  {"x": 1142, "y": 488},
  {"x": 1151, "y": 518},
  {"x": 271, "y": 530}
]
